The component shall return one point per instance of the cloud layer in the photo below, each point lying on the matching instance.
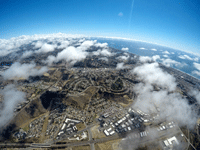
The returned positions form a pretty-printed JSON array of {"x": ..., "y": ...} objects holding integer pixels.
[
  {"x": 11, "y": 98},
  {"x": 172, "y": 105},
  {"x": 18, "y": 70}
]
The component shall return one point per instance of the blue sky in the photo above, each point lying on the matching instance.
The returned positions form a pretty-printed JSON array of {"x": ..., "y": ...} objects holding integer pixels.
[{"x": 173, "y": 23}]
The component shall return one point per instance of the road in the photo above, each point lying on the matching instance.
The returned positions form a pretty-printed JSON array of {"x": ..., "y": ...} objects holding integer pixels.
[{"x": 90, "y": 138}]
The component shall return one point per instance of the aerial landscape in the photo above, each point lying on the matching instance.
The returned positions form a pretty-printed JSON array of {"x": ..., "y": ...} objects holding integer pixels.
[{"x": 98, "y": 91}]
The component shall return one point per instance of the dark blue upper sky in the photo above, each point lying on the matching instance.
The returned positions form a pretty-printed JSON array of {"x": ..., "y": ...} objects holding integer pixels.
[{"x": 173, "y": 23}]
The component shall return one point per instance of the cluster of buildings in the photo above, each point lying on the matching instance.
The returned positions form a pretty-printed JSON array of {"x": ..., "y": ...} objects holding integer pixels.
[
  {"x": 112, "y": 123},
  {"x": 68, "y": 127},
  {"x": 79, "y": 137},
  {"x": 20, "y": 135},
  {"x": 35, "y": 128},
  {"x": 170, "y": 143}
]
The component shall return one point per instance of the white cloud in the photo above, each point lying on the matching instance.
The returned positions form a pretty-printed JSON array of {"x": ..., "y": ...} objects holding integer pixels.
[
  {"x": 50, "y": 59},
  {"x": 185, "y": 57},
  {"x": 11, "y": 98},
  {"x": 38, "y": 44},
  {"x": 64, "y": 44},
  {"x": 105, "y": 52},
  {"x": 104, "y": 58},
  {"x": 172, "y": 105},
  {"x": 18, "y": 70},
  {"x": 86, "y": 44},
  {"x": 165, "y": 52},
  {"x": 145, "y": 59},
  {"x": 101, "y": 45},
  {"x": 71, "y": 54},
  {"x": 166, "y": 56},
  {"x": 27, "y": 54},
  {"x": 195, "y": 93},
  {"x": 120, "y": 14},
  {"x": 169, "y": 62},
  {"x": 13, "y": 44},
  {"x": 142, "y": 48},
  {"x": 155, "y": 57},
  {"x": 125, "y": 48},
  {"x": 197, "y": 66},
  {"x": 46, "y": 48},
  {"x": 120, "y": 66},
  {"x": 196, "y": 72},
  {"x": 153, "y": 49},
  {"x": 151, "y": 73},
  {"x": 196, "y": 59},
  {"x": 123, "y": 58}
]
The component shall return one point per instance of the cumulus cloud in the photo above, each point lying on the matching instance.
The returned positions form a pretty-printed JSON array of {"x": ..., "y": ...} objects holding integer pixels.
[
  {"x": 18, "y": 70},
  {"x": 104, "y": 58},
  {"x": 166, "y": 56},
  {"x": 64, "y": 44},
  {"x": 185, "y": 57},
  {"x": 38, "y": 44},
  {"x": 120, "y": 14},
  {"x": 120, "y": 66},
  {"x": 101, "y": 45},
  {"x": 46, "y": 48},
  {"x": 166, "y": 52},
  {"x": 196, "y": 72},
  {"x": 196, "y": 59},
  {"x": 145, "y": 59},
  {"x": 153, "y": 49},
  {"x": 196, "y": 94},
  {"x": 87, "y": 44},
  {"x": 27, "y": 54},
  {"x": 172, "y": 105},
  {"x": 125, "y": 48},
  {"x": 155, "y": 57},
  {"x": 103, "y": 52},
  {"x": 71, "y": 53},
  {"x": 123, "y": 58},
  {"x": 169, "y": 62},
  {"x": 11, "y": 98},
  {"x": 142, "y": 48},
  {"x": 197, "y": 66},
  {"x": 152, "y": 74},
  {"x": 14, "y": 44}
]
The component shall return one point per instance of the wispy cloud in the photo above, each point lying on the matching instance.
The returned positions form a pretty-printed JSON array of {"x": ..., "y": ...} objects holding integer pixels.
[{"x": 120, "y": 14}]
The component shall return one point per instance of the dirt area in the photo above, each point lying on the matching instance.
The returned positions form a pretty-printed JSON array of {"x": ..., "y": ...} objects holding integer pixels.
[
  {"x": 110, "y": 145},
  {"x": 32, "y": 110},
  {"x": 96, "y": 134},
  {"x": 81, "y": 147},
  {"x": 130, "y": 101},
  {"x": 82, "y": 99},
  {"x": 44, "y": 128},
  {"x": 80, "y": 126}
]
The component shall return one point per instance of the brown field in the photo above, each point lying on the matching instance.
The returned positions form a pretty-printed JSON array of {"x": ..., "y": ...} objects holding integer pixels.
[
  {"x": 82, "y": 99},
  {"x": 29, "y": 113},
  {"x": 110, "y": 145},
  {"x": 96, "y": 134},
  {"x": 80, "y": 126}
]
